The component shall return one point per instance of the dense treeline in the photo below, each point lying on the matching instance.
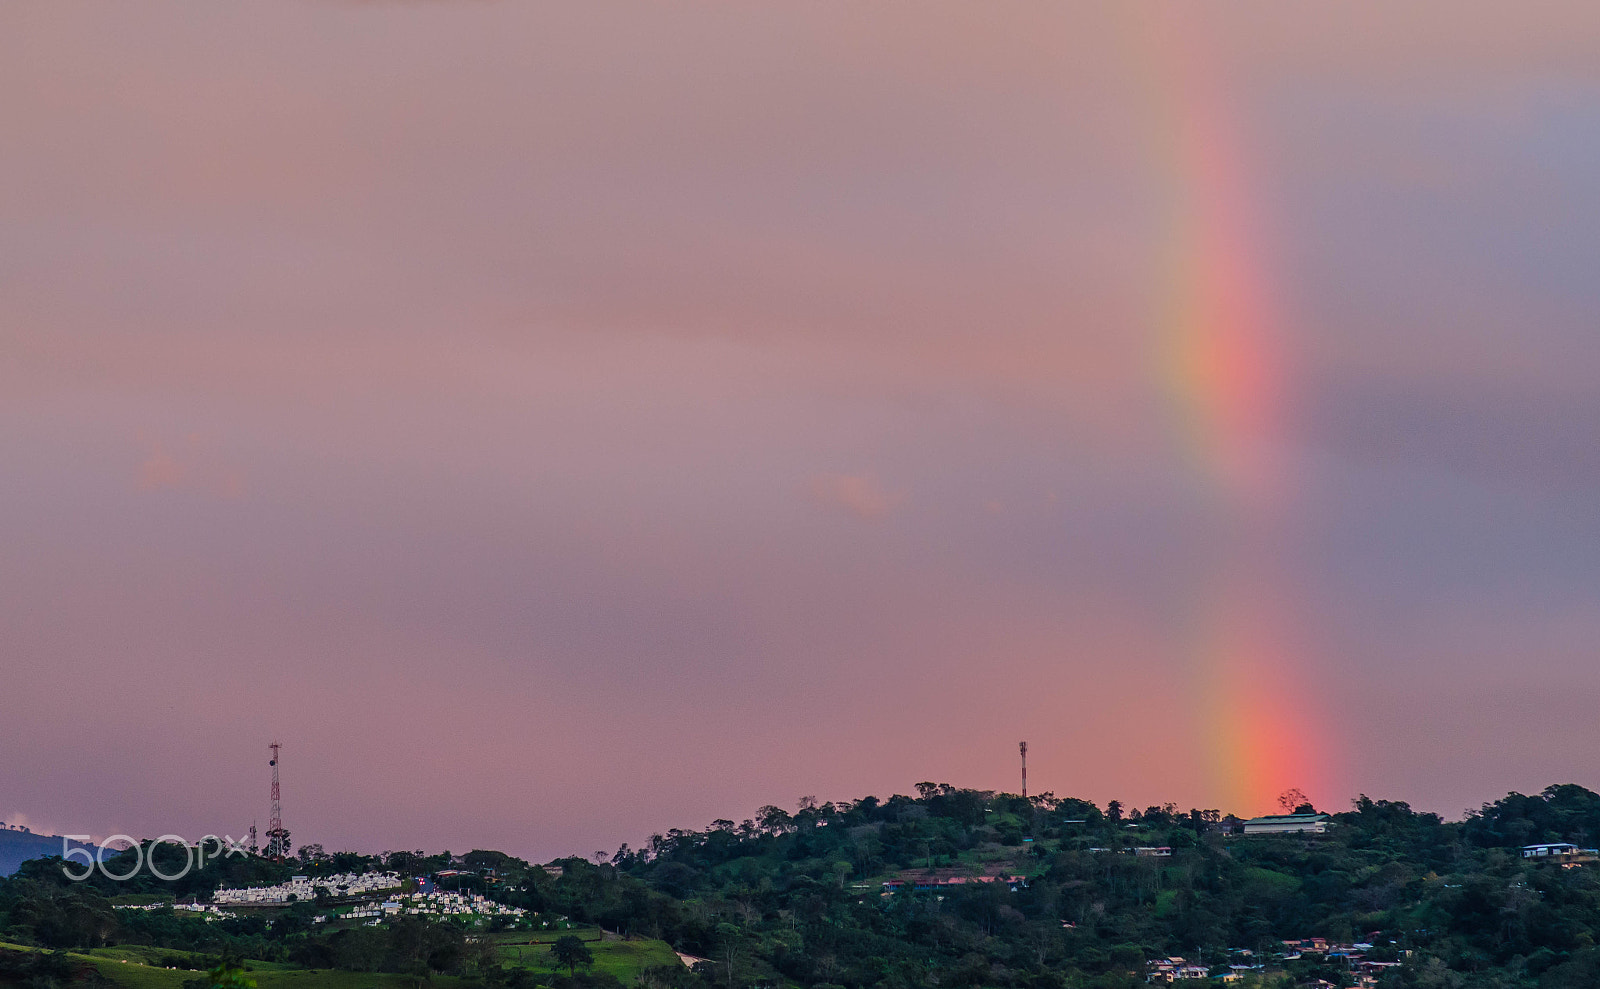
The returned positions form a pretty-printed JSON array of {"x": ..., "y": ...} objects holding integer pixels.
[{"x": 798, "y": 898}]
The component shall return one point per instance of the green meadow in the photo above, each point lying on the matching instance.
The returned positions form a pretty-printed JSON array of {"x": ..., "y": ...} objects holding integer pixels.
[
  {"x": 139, "y": 967},
  {"x": 144, "y": 967},
  {"x": 622, "y": 958}
]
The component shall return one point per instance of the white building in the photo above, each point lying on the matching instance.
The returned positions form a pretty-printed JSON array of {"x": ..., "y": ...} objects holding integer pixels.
[
  {"x": 1568, "y": 855},
  {"x": 1287, "y": 824},
  {"x": 1541, "y": 851},
  {"x": 304, "y": 888}
]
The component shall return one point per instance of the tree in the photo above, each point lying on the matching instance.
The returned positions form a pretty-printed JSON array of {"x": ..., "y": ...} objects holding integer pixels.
[
  {"x": 277, "y": 843},
  {"x": 773, "y": 820},
  {"x": 569, "y": 950},
  {"x": 227, "y": 976}
]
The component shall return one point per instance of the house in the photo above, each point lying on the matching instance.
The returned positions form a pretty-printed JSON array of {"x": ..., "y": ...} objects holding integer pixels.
[
  {"x": 1175, "y": 969},
  {"x": 1570, "y": 856},
  {"x": 1287, "y": 824},
  {"x": 1296, "y": 949},
  {"x": 1160, "y": 852},
  {"x": 1541, "y": 851}
]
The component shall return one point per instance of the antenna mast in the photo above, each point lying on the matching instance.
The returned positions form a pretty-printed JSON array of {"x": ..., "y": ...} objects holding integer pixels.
[
  {"x": 277, "y": 837},
  {"x": 1023, "y": 746}
]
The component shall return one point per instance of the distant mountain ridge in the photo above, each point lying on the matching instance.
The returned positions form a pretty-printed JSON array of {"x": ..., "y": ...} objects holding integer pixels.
[{"x": 17, "y": 847}]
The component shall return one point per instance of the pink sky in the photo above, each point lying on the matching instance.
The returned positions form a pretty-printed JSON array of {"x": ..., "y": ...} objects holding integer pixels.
[{"x": 561, "y": 422}]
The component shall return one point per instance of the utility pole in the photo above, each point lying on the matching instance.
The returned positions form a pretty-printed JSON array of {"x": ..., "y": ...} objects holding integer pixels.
[{"x": 1023, "y": 746}]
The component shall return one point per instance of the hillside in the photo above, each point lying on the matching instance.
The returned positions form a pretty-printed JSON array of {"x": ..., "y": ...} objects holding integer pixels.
[{"x": 949, "y": 888}]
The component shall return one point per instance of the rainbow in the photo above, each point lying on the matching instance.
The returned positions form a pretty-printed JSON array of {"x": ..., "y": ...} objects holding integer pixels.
[{"x": 1222, "y": 369}]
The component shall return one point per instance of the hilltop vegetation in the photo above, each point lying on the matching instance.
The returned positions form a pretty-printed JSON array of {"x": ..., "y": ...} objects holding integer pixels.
[{"x": 798, "y": 899}]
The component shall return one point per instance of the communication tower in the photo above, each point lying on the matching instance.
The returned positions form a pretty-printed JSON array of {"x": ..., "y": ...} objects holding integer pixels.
[{"x": 277, "y": 837}]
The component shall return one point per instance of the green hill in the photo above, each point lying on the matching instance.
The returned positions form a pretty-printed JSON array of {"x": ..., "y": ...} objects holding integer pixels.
[{"x": 950, "y": 888}]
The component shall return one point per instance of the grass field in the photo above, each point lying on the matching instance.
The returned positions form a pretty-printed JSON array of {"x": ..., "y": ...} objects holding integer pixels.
[
  {"x": 588, "y": 935},
  {"x": 140, "y": 899},
  {"x": 139, "y": 966},
  {"x": 142, "y": 954},
  {"x": 129, "y": 975},
  {"x": 624, "y": 959}
]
